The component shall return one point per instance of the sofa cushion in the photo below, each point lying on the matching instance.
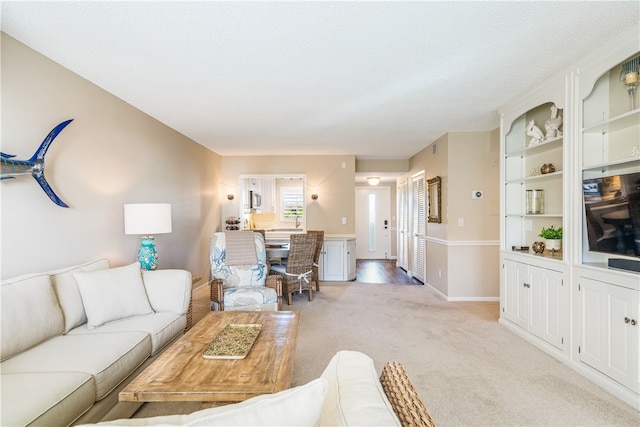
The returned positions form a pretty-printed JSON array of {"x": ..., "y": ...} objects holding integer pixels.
[
  {"x": 162, "y": 328},
  {"x": 68, "y": 294},
  {"x": 355, "y": 396},
  {"x": 249, "y": 296},
  {"x": 112, "y": 294},
  {"x": 29, "y": 313},
  {"x": 45, "y": 398},
  {"x": 108, "y": 357},
  {"x": 298, "y": 406},
  {"x": 161, "y": 289}
]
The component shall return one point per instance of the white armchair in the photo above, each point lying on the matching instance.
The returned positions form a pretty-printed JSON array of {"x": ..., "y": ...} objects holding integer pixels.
[{"x": 245, "y": 286}]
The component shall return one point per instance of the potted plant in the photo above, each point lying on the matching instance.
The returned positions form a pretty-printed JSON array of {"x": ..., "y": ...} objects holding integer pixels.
[{"x": 552, "y": 236}]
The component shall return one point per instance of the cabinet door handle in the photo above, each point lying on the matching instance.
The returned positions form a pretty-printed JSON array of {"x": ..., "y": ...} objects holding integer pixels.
[
  {"x": 627, "y": 320},
  {"x": 526, "y": 285},
  {"x": 633, "y": 322}
]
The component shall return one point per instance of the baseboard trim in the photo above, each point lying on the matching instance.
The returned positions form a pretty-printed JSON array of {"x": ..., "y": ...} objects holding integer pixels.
[{"x": 474, "y": 299}]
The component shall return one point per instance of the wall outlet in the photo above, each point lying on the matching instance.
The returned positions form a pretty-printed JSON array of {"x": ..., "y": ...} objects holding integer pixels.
[
  {"x": 460, "y": 222},
  {"x": 476, "y": 194},
  {"x": 344, "y": 220}
]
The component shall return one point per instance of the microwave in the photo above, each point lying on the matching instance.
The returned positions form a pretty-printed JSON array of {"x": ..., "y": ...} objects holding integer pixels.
[{"x": 255, "y": 200}]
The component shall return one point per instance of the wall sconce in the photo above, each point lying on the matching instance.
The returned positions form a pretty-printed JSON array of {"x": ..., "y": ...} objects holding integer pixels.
[
  {"x": 373, "y": 180},
  {"x": 230, "y": 196},
  {"x": 314, "y": 196}
]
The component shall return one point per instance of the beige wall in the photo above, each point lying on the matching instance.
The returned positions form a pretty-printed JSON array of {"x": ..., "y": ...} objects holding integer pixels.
[
  {"x": 111, "y": 154},
  {"x": 334, "y": 184},
  {"x": 462, "y": 262}
]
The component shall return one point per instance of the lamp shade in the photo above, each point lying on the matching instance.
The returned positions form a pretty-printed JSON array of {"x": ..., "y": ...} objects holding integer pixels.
[{"x": 147, "y": 218}]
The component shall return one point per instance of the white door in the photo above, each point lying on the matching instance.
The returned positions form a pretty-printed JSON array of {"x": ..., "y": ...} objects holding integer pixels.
[
  {"x": 403, "y": 224},
  {"x": 372, "y": 222},
  {"x": 418, "y": 226}
]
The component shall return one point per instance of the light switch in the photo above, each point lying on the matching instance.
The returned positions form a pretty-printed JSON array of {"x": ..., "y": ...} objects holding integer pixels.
[
  {"x": 344, "y": 220},
  {"x": 460, "y": 222}
]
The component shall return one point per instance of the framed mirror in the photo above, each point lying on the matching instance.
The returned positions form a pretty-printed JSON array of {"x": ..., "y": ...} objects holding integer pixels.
[{"x": 433, "y": 186}]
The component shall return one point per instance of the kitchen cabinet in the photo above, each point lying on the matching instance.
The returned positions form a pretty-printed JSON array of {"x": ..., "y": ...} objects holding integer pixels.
[
  {"x": 534, "y": 299},
  {"x": 337, "y": 260}
]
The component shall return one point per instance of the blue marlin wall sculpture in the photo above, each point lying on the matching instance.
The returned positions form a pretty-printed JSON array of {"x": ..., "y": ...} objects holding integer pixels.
[{"x": 35, "y": 165}]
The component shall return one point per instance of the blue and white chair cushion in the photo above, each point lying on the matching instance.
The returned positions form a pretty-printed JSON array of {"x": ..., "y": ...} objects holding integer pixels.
[{"x": 244, "y": 285}]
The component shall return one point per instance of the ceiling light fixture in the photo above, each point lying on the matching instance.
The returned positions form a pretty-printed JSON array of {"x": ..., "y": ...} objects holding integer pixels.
[{"x": 373, "y": 180}]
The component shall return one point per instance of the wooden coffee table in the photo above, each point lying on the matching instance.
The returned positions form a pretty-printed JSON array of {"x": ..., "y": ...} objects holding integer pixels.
[{"x": 181, "y": 373}]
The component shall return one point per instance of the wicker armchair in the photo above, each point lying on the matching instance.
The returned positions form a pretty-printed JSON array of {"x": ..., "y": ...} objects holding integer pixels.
[
  {"x": 242, "y": 287},
  {"x": 296, "y": 273},
  {"x": 316, "y": 256}
]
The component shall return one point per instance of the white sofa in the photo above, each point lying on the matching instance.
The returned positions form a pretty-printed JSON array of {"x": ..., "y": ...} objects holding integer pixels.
[
  {"x": 73, "y": 338},
  {"x": 348, "y": 393}
]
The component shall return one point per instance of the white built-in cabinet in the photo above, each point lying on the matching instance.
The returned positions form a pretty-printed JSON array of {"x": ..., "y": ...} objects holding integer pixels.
[
  {"x": 337, "y": 261},
  {"x": 609, "y": 336},
  {"x": 570, "y": 303},
  {"x": 534, "y": 299},
  {"x": 534, "y": 286}
]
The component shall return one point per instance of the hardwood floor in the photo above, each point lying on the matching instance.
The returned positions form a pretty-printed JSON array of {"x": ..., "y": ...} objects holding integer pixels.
[{"x": 382, "y": 271}]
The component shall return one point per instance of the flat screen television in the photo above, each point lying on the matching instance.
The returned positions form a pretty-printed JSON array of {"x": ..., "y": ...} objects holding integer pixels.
[{"x": 612, "y": 214}]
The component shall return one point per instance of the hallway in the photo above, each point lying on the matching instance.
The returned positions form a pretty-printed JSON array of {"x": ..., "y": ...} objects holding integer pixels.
[{"x": 382, "y": 271}]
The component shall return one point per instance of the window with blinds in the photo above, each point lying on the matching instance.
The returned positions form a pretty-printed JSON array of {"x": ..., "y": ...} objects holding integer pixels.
[{"x": 291, "y": 203}]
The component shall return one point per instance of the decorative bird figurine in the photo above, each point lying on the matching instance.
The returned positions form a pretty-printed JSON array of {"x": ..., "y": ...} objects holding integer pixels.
[
  {"x": 552, "y": 126},
  {"x": 535, "y": 133}
]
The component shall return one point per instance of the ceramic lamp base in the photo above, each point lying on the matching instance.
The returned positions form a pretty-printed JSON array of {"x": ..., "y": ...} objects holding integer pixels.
[{"x": 147, "y": 254}]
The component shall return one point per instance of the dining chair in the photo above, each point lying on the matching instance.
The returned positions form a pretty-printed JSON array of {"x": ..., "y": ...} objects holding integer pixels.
[
  {"x": 316, "y": 256},
  {"x": 297, "y": 272}
]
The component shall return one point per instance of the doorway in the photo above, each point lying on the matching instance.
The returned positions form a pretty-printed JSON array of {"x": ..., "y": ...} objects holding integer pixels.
[{"x": 373, "y": 222}]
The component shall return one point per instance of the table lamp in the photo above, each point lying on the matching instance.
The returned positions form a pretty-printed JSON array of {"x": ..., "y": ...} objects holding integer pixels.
[{"x": 147, "y": 219}]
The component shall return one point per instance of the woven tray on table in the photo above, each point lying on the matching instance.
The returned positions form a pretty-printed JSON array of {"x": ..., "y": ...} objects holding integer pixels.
[{"x": 403, "y": 396}]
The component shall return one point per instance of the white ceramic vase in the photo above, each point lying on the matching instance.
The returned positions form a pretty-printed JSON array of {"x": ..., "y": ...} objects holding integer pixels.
[{"x": 553, "y": 244}]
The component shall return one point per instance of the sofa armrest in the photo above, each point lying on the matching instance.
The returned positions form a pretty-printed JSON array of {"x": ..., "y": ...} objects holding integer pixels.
[
  {"x": 403, "y": 396},
  {"x": 168, "y": 290}
]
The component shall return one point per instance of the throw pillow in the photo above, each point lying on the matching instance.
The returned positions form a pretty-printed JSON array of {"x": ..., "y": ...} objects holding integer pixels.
[
  {"x": 69, "y": 295},
  {"x": 112, "y": 294}
]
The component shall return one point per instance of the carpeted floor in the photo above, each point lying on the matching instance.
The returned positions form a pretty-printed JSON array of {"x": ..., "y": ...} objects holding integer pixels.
[{"x": 468, "y": 369}]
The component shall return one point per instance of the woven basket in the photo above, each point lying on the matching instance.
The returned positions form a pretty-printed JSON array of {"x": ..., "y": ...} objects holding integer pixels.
[{"x": 403, "y": 396}]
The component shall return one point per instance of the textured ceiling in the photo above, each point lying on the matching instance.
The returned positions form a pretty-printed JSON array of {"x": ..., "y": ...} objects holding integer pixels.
[{"x": 372, "y": 79}]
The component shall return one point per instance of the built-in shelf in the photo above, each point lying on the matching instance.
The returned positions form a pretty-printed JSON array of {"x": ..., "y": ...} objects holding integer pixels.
[
  {"x": 616, "y": 123},
  {"x": 536, "y": 178},
  {"x": 605, "y": 166}
]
